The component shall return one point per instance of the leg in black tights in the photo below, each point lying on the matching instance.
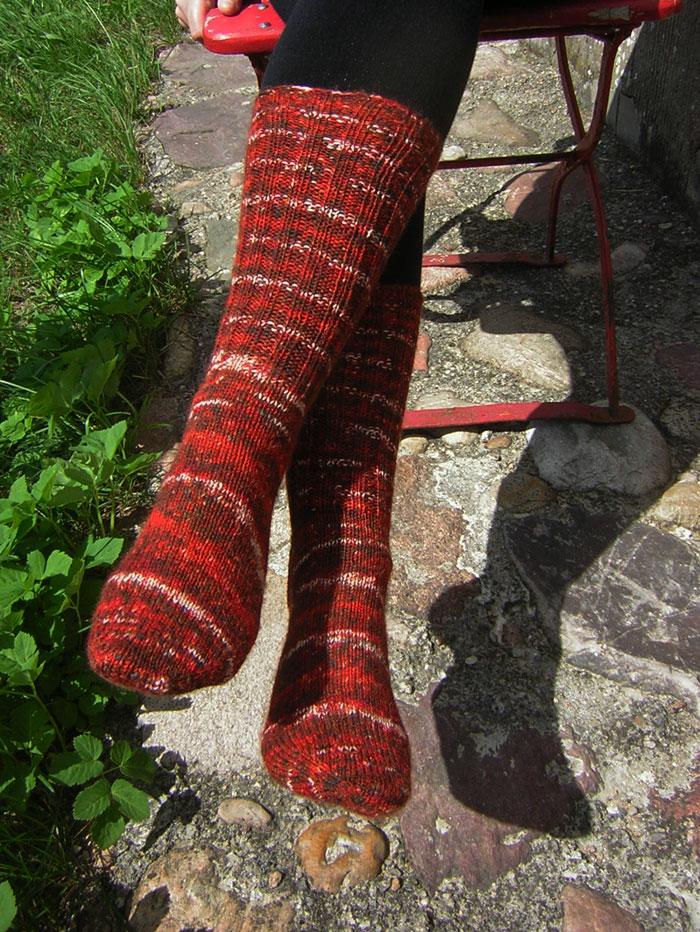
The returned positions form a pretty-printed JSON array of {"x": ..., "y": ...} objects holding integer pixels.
[{"x": 416, "y": 52}]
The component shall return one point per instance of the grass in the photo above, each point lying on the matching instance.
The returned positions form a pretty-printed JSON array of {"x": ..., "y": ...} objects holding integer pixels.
[{"x": 88, "y": 280}]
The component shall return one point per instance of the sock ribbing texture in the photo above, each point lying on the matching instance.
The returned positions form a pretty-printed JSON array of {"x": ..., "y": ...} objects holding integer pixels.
[
  {"x": 333, "y": 731},
  {"x": 331, "y": 180}
]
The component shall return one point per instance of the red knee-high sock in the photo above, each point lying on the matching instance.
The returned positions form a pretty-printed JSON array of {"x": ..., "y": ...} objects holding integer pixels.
[
  {"x": 331, "y": 180},
  {"x": 333, "y": 731}
]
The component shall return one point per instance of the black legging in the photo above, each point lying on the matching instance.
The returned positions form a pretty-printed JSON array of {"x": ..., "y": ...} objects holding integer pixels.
[{"x": 418, "y": 52}]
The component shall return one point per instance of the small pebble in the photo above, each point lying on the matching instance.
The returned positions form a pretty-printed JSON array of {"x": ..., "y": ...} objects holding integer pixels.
[
  {"x": 456, "y": 438},
  {"x": 500, "y": 442},
  {"x": 275, "y": 879},
  {"x": 244, "y": 812},
  {"x": 411, "y": 445},
  {"x": 395, "y": 884}
]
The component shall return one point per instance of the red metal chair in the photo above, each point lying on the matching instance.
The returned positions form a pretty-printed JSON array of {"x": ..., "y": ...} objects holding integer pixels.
[{"x": 256, "y": 29}]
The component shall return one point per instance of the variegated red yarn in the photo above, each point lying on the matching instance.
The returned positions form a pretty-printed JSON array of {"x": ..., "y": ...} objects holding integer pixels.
[
  {"x": 331, "y": 179},
  {"x": 333, "y": 730}
]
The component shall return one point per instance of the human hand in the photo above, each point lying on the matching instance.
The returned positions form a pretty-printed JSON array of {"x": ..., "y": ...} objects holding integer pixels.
[{"x": 191, "y": 13}]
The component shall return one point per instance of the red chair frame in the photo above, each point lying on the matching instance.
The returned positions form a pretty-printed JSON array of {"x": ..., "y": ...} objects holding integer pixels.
[{"x": 255, "y": 31}]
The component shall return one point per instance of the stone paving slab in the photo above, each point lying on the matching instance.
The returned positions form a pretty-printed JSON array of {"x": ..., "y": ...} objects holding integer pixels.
[{"x": 544, "y": 638}]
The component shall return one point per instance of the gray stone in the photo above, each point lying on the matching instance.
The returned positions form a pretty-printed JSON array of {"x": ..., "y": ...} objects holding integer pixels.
[
  {"x": 681, "y": 419},
  {"x": 512, "y": 338},
  {"x": 627, "y": 257},
  {"x": 624, "y": 603},
  {"x": 528, "y": 194},
  {"x": 684, "y": 361},
  {"x": 191, "y": 64},
  {"x": 221, "y": 244},
  {"x": 208, "y": 134},
  {"x": 486, "y": 122},
  {"x": 632, "y": 458},
  {"x": 179, "y": 354}
]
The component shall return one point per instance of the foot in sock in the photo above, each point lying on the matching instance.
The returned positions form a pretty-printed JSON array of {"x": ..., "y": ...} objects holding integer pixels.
[
  {"x": 331, "y": 180},
  {"x": 333, "y": 731}
]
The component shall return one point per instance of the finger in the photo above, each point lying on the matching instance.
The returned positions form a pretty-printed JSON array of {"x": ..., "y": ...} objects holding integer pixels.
[{"x": 229, "y": 7}]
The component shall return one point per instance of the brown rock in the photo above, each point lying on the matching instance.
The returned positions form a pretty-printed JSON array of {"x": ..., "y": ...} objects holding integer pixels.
[
  {"x": 679, "y": 506},
  {"x": 683, "y": 808},
  {"x": 477, "y": 804},
  {"x": 520, "y": 493},
  {"x": 500, "y": 442},
  {"x": 587, "y": 911},
  {"x": 362, "y": 851},
  {"x": 206, "y": 134},
  {"x": 527, "y": 199},
  {"x": 420, "y": 361},
  {"x": 180, "y": 891},
  {"x": 245, "y": 813}
]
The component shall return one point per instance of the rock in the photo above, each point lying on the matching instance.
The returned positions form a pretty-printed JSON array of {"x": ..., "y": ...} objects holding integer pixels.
[
  {"x": 420, "y": 362},
  {"x": 479, "y": 800},
  {"x": 435, "y": 280},
  {"x": 360, "y": 853},
  {"x": 439, "y": 399},
  {"x": 456, "y": 438},
  {"x": 179, "y": 355},
  {"x": 627, "y": 257},
  {"x": 180, "y": 890},
  {"x": 679, "y": 506},
  {"x": 490, "y": 62},
  {"x": 500, "y": 442},
  {"x": 519, "y": 493},
  {"x": 191, "y": 64},
  {"x": 221, "y": 244},
  {"x": 681, "y": 418},
  {"x": 274, "y": 879},
  {"x": 412, "y": 445},
  {"x": 194, "y": 208},
  {"x": 530, "y": 347},
  {"x": 486, "y": 122},
  {"x": 684, "y": 360},
  {"x": 682, "y": 808},
  {"x": 244, "y": 812},
  {"x": 158, "y": 427},
  {"x": 587, "y": 911},
  {"x": 528, "y": 194},
  {"x": 623, "y": 602},
  {"x": 629, "y": 458},
  {"x": 208, "y": 134}
]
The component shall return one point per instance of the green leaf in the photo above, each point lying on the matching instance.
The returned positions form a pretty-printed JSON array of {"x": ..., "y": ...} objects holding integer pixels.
[
  {"x": 88, "y": 747},
  {"x": 132, "y": 801},
  {"x": 107, "y": 828},
  {"x": 102, "y": 552},
  {"x": 31, "y": 727},
  {"x": 58, "y": 564},
  {"x": 69, "y": 769},
  {"x": 8, "y": 906},
  {"x": 93, "y": 800},
  {"x": 140, "y": 766},
  {"x": 120, "y": 753}
]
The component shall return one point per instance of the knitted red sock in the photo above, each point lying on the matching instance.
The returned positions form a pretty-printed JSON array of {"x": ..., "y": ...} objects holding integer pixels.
[
  {"x": 331, "y": 180},
  {"x": 333, "y": 731}
]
